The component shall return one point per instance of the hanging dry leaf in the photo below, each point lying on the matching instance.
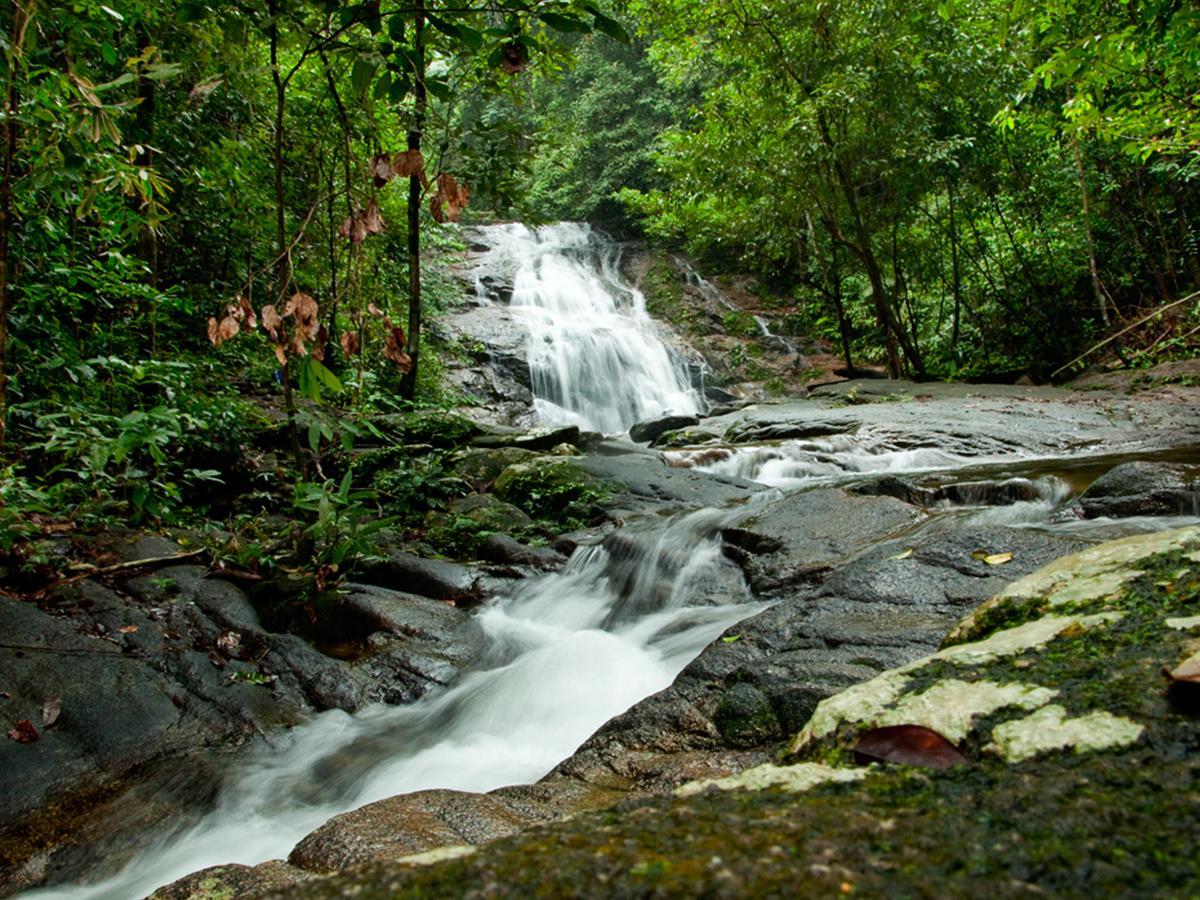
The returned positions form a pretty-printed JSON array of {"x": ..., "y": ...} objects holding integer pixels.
[
  {"x": 354, "y": 228},
  {"x": 297, "y": 346},
  {"x": 376, "y": 311},
  {"x": 281, "y": 354},
  {"x": 435, "y": 209},
  {"x": 394, "y": 349},
  {"x": 909, "y": 745},
  {"x": 373, "y": 219},
  {"x": 229, "y": 328},
  {"x": 272, "y": 321},
  {"x": 514, "y": 57},
  {"x": 304, "y": 309},
  {"x": 408, "y": 163},
  {"x": 381, "y": 169},
  {"x": 241, "y": 310},
  {"x": 318, "y": 349},
  {"x": 214, "y": 332},
  {"x": 349, "y": 342},
  {"x": 51, "y": 707},
  {"x": 24, "y": 732}
]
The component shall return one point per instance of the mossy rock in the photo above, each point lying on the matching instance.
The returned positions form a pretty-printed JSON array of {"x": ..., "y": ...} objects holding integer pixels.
[
  {"x": 744, "y": 717},
  {"x": 480, "y": 467},
  {"x": 550, "y": 487},
  {"x": 434, "y": 427}
]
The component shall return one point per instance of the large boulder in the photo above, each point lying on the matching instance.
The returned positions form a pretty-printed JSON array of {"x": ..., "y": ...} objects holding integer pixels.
[{"x": 1142, "y": 489}]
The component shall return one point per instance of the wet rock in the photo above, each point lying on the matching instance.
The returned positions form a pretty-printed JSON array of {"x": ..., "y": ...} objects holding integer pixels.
[
  {"x": 755, "y": 431},
  {"x": 433, "y": 578},
  {"x": 813, "y": 531},
  {"x": 504, "y": 549},
  {"x": 404, "y": 825},
  {"x": 538, "y": 439},
  {"x": 1142, "y": 489},
  {"x": 408, "y": 615},
  {"x": 745, "y": 718},
  {"x": 489, "y": 511},
  {"x": 647, "y": 431},
  {"x": 219, "y": 882}
]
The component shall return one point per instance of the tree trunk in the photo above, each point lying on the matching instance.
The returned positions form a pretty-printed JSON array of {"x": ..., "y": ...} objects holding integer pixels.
[
  {"x": 955, "y": 275},
  {"x": 1093, "y": 269},
  {"x": 408, "y": 386},
  {"x": 283, "y": 266}
]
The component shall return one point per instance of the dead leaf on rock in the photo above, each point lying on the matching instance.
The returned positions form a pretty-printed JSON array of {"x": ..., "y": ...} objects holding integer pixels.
[
  {"x": 992, "y": 559},
  {"x": 229, "y": 643},
  {"x": 51, "y": 707},
  {"x": 24, "y": 732},
  {"x": 909, "y": 745}
]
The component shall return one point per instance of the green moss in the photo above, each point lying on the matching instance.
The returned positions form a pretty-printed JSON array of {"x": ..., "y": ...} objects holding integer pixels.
[{"x": 553, "y": 490}]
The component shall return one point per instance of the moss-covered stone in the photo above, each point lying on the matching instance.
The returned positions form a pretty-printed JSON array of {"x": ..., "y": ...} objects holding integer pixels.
[
  {"x": 551, "y": 488},
  {"x": 745, "y": 718}
]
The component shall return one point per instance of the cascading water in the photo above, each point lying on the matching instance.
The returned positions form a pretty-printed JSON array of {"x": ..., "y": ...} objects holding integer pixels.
[
  {"x": 595, "y": 357},
  {"x": 566, "y": 652}
]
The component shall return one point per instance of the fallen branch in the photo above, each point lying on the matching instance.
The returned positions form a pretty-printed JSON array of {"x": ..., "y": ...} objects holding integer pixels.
[
  {"x": 1126, "y": 330},
  {"x": 92, "y": 572}
]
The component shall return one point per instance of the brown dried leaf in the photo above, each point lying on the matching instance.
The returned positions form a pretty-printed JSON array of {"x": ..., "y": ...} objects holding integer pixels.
[
  {"x": 354, "y": 228},
  {"x": 24, "y": 732},
  {"x": 408, "y": 163},
  {"x": 394, "y": 349},
  {"x": 241, "y": 310},
  {"x": 435, "y": 209},
  {"x": 51, "y": 707},
  {"x": 128, "y": 629},
  {"x": 318, "y": 350},
  {"x": 376, "y": 311},
  {"x": 381, "y": 169},
  {"x": 373, "y": 219},
  {"x": 910, "y": 745},
  {"x": 297, "y": 346},
  {"x": 272, "y": 321},
  {"x": 214, "y": 332},
  {"x": 514, "y": 57},
  {"x": 281, "y": 354},
  {"x": 229, "y": 328},
  {"x": 349, "y": 342},
  {"x": 305, "y": 310}
]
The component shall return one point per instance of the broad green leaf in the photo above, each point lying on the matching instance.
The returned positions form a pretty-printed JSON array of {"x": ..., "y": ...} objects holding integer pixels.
[{"x": 565, "y": 23}]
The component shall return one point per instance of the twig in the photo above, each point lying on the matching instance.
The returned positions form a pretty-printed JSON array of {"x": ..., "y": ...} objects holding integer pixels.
[{"x": 1126, "y": 330}]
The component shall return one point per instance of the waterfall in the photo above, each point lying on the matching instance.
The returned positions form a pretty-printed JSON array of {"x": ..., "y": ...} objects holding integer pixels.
[
  {"x": 596, "y": 359},
  {"x": 566, "y": 652}
]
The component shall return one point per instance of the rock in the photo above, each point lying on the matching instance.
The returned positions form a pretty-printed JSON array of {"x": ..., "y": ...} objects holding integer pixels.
[
  {"x": 755, "y": 431},
  {"x": 815, "y": 530},
  {"x": 480, "y": 467},
  {"x": 434, "y": 578},
  {"x": 219, "y": 882},
  {"x": 406, "y": 615},
  {"x": 745, "y": 718},
  {"x": 1142, "y": 489},
  {"x": 647, "y": 431},
  {"x": 404, "y": 825},
  {"x": 539, "y": 439},
  {"x": 489, "y": 511},
  {"x": 503, "y": 549}
]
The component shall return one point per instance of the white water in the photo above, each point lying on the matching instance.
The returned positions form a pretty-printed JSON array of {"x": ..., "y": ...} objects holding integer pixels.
[
  {"x": 596, "y": 358},
  {"x": 566, "y": 652}
]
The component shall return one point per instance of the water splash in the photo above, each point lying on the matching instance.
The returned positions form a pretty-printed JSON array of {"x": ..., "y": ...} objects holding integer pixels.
[
  {"x": 596, "y": 358},
  {"x": 566, "y": 652}
]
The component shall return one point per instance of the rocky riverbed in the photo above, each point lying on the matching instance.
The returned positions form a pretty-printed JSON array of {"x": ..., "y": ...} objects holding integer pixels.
[{"x": 866, "y": 561}]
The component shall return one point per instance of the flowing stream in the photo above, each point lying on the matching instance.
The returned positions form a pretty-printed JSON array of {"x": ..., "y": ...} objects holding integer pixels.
[{"x": 596, "y": 359}]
